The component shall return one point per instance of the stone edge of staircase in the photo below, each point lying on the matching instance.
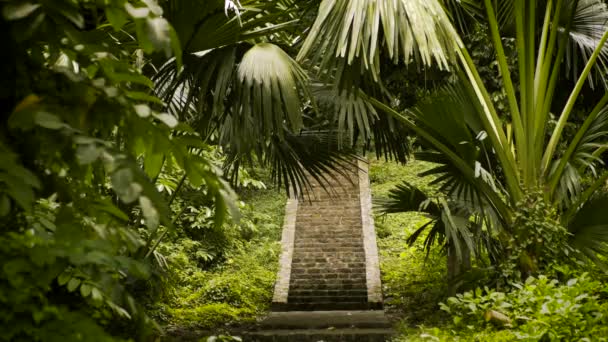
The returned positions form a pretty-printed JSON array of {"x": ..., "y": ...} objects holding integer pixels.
[
  {"x": 372, "y": 266},
  {"x": 281, "y": 288}
]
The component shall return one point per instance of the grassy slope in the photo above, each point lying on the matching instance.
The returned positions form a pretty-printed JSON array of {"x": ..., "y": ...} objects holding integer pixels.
[
  {"x": 413, "y": 284},
  {"x": 237, "y": 290}
]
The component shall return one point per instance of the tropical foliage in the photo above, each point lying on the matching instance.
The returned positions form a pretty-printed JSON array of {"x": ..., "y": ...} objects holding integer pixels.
[
  {"x": 126, "y": 124},
  {"x": 490, "y": 160}
]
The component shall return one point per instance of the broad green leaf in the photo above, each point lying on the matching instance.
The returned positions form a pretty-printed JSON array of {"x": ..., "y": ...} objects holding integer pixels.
[
  {"x": 167, "y": 119},
  {"x": 137, "y": 12},
  {"x": 117, "y": 17},
  {"x": 96, "y": 294},
  {"x": 64, "y": 278},
  {"x": 141, "y": 96},
  {"x": 143, "y": 110},
  {"x": 153, "y": 163},
  {"x": 158, "y": 33},
  {"x": 150, "y": 213},
  {"x": 111, "y": 209},
  {"x": 48, "y": 120},
  {"x": 73, "y": 284},
  {"x": 86, "y": 154},
  {"x": 15, "y": 11},
  {"x": 85, "y": 290}
]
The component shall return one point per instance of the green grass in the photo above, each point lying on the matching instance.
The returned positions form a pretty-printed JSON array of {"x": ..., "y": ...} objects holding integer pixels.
[
  {"x": 413, "y": 283},
  {"x": 238, "y": 289}
]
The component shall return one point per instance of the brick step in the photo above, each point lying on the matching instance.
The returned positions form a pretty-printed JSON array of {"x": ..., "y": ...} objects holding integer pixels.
[
  {"x": 337, "y": 236},
  {"x": 328, "y": 276},
  {"x": 328, "y": 249},
  {"x": 357, "y": 292},
  {"x": 326, "y": 299},
  {"x": 338, "y": 284},
  {"x": 307, "y": 257},
  {"x": 339, "y": 218},
  {"x": 354, "y": 257},
  {"x": 329, "y": 237},
  {"x": 333, "y": 264},
  {"x": 329, "y": 306},
  {"x": 325, "y": 319},
  {"x": 309, "y": 335},
  {"x": 331, "y": 208},
  {"x": 335, "y": 285},
  {"x": 340, "y": 213},
  {"x": 329, "y": 272},
  {"x": 344, "y": 193},
  {"x": 328, "y": 245}
]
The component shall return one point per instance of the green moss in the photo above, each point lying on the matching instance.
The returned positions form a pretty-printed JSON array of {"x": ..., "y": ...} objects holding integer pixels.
[
  {"x": 206, "y": 315},
  {"x": 446, "y": 335}
]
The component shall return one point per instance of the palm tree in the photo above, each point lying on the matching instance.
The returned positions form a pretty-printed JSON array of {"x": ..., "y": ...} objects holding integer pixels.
[
  {"x": 241, "y": 88},
  {"x": 487, "y": 163}
]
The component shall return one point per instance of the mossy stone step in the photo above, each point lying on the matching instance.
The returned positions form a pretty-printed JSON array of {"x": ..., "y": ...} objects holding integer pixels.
[{"x": 369, "y": 325}]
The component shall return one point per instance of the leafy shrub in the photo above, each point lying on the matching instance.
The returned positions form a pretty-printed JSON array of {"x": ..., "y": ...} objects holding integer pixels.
[
  {"x": 539, "y": 309},
  {"x": 241, "y": 282},
  {"x": 82, "y": 140},
  {"x": 538, "y": 241}
]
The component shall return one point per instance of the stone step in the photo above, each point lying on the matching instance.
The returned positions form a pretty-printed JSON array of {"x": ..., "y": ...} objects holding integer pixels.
[
  {"x": 326, "y": 299},
  {"x": 340, "y": 283},
  {"x": 325, "y": 335},
  {"x": 326, "y": 306},
  {"x": 325, "y": 319},
  {"x": 350, "y": 257},
  {"x": 328, "y": 272},
  {"x": 329, "y": 238},
  {"x": 329, "y": 276},
  {"x": 325, "y": 249},
  {"x": 328, "y": 246},
  {"x": 337, "y": 286},
  {"x": 332, "y": 238},
  {"x": 333, "y": 263},
  {"x": 333, "y": 292}
]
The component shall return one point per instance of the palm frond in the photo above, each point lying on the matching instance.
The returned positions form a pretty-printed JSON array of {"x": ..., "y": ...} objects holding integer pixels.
[
  {"x": 267, "y": 92},
  {"x": 463, "y": 12},
  {"x": 585, "y": 157},
  {"x": 589, "y": 228},
  {"x": 589, "y": 23},
  {"x": 298, "y": 158},
  {"x": 405, "y": 197},
  {"x": 353, "y": 32},
  {"x": 210, "y": 24}
]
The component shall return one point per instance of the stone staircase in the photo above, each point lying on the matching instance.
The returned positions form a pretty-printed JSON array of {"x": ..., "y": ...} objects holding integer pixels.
[
  {"x": 328, "y": 287},
  {"x": 328, "y": 265}
]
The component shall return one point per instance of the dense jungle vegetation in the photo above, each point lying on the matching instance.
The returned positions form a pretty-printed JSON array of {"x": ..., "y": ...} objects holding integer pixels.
[{"x": 147, "y": 148}]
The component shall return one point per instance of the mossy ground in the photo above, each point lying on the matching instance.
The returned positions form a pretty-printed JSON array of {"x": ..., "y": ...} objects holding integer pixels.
[{"x": 236, "y": 291}]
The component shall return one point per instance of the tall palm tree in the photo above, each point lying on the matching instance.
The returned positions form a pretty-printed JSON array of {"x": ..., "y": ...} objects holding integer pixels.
[{"x": 487, "y": 162}]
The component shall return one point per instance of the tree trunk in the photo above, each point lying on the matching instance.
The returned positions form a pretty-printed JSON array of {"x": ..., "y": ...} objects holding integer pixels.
[{"x": 455, "y": 267}]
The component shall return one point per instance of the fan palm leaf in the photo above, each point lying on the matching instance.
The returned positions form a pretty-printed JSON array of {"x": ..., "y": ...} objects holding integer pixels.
[{"x": 354, "y": 32}]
